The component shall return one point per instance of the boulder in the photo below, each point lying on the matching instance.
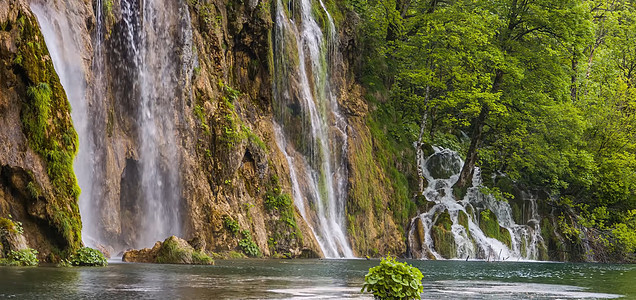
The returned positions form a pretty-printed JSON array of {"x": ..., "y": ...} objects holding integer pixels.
[
  {"x": 444, "y": 164},
  {"x": 172, "y": 251}
]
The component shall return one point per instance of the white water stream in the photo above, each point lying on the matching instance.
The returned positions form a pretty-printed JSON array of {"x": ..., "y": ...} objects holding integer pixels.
[
  {"x": 474, "y": 244},
  {"x": 306, "y": 103}
]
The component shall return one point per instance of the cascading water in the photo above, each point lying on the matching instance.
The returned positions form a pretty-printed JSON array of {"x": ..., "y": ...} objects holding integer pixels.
[
  {"x": 65, "y": 48},
  {"x": 467, "y": 239},
  {"x": 156, "y": 32},
  {"x": 147, "y": 62},
  {"x": 312, "y": 133}
]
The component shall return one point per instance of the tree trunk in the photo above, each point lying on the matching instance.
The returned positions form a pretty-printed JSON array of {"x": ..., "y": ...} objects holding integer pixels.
[
  {"x": 466, "y": 175},
  {"x": 418, "y": 146}
]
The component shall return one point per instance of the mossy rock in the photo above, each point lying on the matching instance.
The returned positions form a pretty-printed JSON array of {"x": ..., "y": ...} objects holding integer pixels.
[
  {"x": 172, "y": 251},
  {"x": 490, "y": 226},
  {"x": 444, "y": 164},
  {"x": 443, "y": 238},
  {"x": 48, "y": 127},
  {"x": 444, "y": 242},
  {"x": 444, "y": 220},
  {"x": 462, "y": 219}
]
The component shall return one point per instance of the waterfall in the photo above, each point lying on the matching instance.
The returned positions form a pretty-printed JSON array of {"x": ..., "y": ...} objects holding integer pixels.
[
  {"x": 312, "y": 132},
  {"x": 141, "y": 64},
  {"x": 156, "y": 34},
  {"x": 467, "y": 239},
  {"x": 66, "y": 48}
]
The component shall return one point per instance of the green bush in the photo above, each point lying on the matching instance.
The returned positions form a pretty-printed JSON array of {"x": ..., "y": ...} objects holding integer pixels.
[
  {"x": 88, "y": 257},
  {"x": 248, "y": 246},
  {"x": 394, "y": 280},
  {"x": 25, "y": 257}
]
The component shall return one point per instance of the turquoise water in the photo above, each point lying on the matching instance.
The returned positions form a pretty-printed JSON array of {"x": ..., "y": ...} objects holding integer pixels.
[{"x": 317, "y": 279}]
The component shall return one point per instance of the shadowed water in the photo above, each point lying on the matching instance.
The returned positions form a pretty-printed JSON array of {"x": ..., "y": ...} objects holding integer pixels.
[{"x": 317, "y": 279}]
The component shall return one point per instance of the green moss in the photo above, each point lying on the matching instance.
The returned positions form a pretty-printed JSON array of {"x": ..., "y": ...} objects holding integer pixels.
[
  {"x": 235, "y": 255},
  {"x": 553, "y": 245},
  {"x": 7, "y": 226},
  {"x": 47, "y": 124},
  {"x": 517, "y": 215},
  {"x": 444, "y": 241},
  {"x": 443, "y": 238},
  {"x": 172, "y": 253},
  {"x": 490, "y": 226},
  {"x": 283, "y": 229},
  {"x": 462, "y": 219}
]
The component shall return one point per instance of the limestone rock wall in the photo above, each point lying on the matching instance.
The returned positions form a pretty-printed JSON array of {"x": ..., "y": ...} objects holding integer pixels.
[{"x": 229, "y": 164}]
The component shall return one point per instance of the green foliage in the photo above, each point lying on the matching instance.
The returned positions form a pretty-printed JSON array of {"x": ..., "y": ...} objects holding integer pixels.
[
  {"x": 248, "y": 246},
  {"x": 283, "y": 230},
  {"x": 8, "y": 226},
  {"x": 25, "y": 257},
  {"x": 277, "y": 202},
  {"x": 86, "y": 256},
  {"x": 394, "y": 280},
  {"x": 231, "y": 225},
  {"x": 544, "y": 93},
  {"x": 198, "y": 112}
]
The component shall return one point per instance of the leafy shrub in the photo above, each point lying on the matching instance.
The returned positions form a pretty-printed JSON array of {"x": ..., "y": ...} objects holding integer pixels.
[
  {"x": 25, "y": 257},
  {"x": 88, "y": 257},
  {"x": 394, "y": 280},
  {"x": 277, "y": 202},
  {"x": 231, "y": 225},
  {"x": 248, "y": 246}
]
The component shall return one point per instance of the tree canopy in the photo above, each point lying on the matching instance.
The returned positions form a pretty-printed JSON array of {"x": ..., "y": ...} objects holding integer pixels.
[{"x": 541, "y": 92}]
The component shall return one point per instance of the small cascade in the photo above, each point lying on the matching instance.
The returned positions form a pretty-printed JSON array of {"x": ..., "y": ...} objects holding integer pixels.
[
  {"x": 476, "y": 227},
  {"x": 312, "y": 133}
]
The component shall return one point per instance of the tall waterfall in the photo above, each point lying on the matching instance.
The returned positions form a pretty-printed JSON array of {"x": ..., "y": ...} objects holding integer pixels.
[
  {"x": 143, "y": 67},
  {"x": 312, "y": 133},
  {"x": 155, "y": 34},
  {"x": 468, "y": 240}
]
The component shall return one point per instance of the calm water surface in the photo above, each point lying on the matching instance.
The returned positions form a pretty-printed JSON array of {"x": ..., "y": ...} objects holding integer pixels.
[{"x": 317, "y": 279}]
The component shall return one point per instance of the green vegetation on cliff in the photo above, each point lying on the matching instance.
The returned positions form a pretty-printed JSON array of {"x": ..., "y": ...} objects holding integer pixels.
[{"x": 47, "y": 125}]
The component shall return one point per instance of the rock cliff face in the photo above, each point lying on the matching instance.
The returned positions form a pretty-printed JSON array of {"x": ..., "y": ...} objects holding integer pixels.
[
  {"x": 37, "y": 139},
  {"x": 201, "y": 74}
]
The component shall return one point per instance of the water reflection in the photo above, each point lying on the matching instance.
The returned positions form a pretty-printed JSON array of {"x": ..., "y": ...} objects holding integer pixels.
[{"x": 316, "y": 279}]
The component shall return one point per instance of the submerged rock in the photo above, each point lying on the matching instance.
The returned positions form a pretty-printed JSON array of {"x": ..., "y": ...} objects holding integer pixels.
[{"x": 172, "y": 251}]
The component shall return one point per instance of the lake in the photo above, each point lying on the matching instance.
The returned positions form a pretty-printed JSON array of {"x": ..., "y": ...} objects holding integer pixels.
[{"x": 317, "y": 279}]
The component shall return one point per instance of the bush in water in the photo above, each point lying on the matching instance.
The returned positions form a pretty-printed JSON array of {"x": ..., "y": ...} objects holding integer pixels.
[{"x": 394, "y": 280}]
